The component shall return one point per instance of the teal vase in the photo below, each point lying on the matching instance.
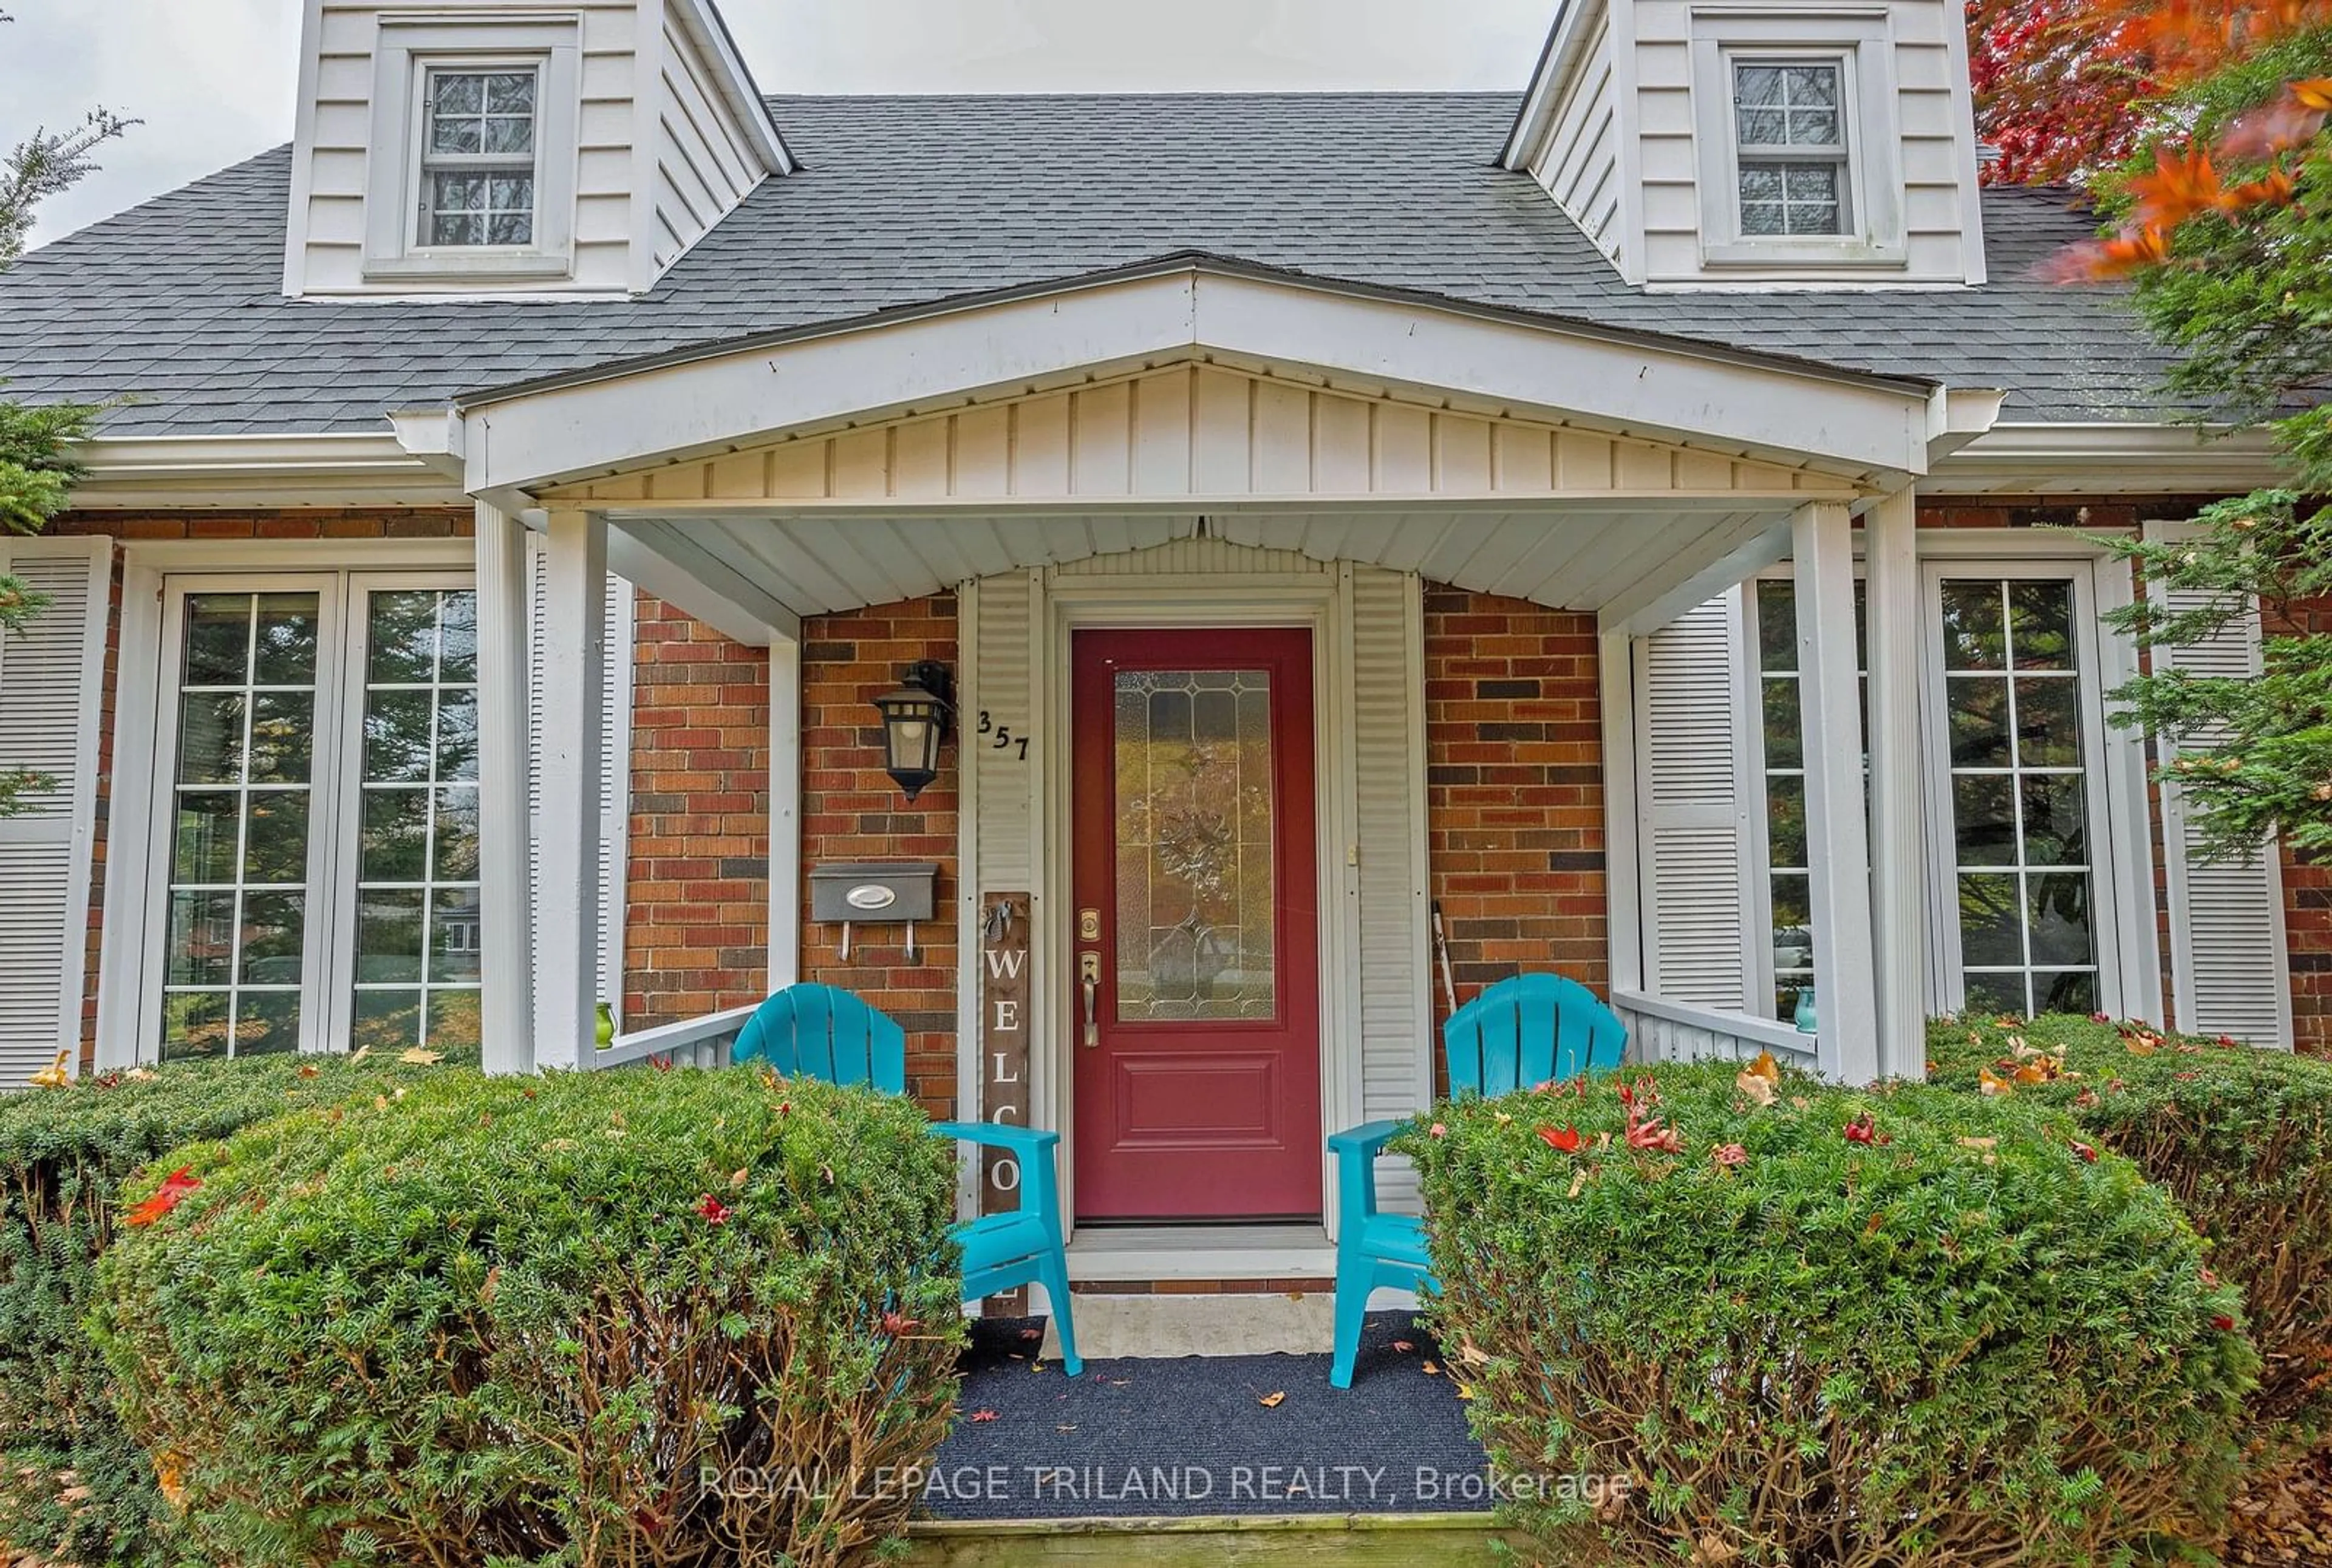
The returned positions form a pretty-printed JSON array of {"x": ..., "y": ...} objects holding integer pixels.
[{"x": 1805, "y": 1017}]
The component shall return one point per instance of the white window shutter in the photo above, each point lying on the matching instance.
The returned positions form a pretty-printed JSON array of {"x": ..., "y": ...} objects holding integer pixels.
[
  {"x": 615, "y": 765},
  {"x": 1693, "y": 803},
  {"x": 51, "y": 676},
  {"x": 1387, "y": 722},
  {"x": 2229, "y": 971}
]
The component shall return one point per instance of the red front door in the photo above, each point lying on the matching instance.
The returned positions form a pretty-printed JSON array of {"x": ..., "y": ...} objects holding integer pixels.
[{"x": 1195, "y": 1009}]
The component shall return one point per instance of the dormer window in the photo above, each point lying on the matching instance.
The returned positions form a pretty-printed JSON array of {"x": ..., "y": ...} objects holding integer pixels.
[
  {"x": 477, "y": 160},
  {"x": 1795, "y": 122},
  {"x": 470, "y": 177},
  {"x": 1790, "y": 143}
]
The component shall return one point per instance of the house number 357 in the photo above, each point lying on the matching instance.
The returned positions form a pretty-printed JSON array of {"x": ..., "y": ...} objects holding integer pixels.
[{"x": 1005, "y": 738}]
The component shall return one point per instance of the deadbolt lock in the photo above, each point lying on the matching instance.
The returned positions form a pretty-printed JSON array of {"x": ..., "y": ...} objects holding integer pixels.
[{"x": 1088, "y": 925}]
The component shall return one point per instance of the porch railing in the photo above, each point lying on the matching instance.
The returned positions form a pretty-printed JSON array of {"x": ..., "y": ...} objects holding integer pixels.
[
  {"x": 1663, "y": 1030},
  {"x": 700, "y": 1042}
]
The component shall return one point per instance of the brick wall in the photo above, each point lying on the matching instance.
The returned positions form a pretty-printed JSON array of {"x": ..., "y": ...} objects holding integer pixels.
[
  {"x": 696, "y": 923},
  {"x": 851, "y": 810},
  {"x": 396, "y": 522},
  {"x": 1514, "y": 789}
]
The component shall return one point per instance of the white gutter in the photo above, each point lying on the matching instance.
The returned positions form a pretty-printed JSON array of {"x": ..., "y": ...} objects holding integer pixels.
[
  {"x": 360, "y": 469},
  {"x": 2108, "y": 459}
]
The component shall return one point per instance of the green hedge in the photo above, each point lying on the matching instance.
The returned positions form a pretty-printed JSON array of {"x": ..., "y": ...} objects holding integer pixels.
[
  {"x": 1847, "y": 1327},
  {"x": 2241, "y": 1138},
  {"x": 621, "y": 1317},
  {"x": 73, "y": 1487}
]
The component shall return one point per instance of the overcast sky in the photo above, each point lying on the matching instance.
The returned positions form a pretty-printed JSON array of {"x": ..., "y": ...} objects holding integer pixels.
[{"x": 213, "y": 79}]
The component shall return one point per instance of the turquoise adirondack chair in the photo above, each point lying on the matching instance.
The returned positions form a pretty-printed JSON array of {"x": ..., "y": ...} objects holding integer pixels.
[
  {"x": 1518, "y": 1033},
  {"x": 817, "y": 1031}
]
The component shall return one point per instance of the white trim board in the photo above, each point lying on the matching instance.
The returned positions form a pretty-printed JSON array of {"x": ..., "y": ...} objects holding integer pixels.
[{"x": 617, "y": 420}]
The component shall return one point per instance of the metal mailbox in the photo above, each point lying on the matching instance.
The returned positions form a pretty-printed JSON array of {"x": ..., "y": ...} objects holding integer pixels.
[{"x": 873, "y": 893}]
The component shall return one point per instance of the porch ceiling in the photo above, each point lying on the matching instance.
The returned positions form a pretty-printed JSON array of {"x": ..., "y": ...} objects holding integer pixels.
[{"x": 1568, "y": 555}]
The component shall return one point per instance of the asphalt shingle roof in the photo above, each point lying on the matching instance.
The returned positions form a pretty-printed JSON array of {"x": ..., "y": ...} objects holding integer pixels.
[{"x": 905, "y": 200}]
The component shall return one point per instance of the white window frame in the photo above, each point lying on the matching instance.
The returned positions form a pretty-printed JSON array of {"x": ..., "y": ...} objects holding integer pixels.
[
  {"x": 1759, "y": 968},
  {"x": 406, "y": 54},
  {"x": 1857, "y": 42},
  {"x": 2129, "y": 960},
  {"x": 2122, "y": 891},
  {"x": 139, "y": 830},
  {"x": 427, "y": 164}
]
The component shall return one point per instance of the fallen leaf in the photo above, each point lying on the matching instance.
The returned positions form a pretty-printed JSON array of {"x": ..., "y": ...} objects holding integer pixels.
[
  {"x": 1432, "y": 1370},
  {"x": 308, "y": 1069},
  {"x": 173, "y": 1191},
  {"x": 1564, "y": 1140},
  {"x": 1754, "y": 1086},
  {"x": 1987, "y": 1082},
  {"x": 1729, "y": 1154},
  {"x": 1464, "y": 1391},
  {"x": 1472, "y": 1353},
  {"x": 53, "y": 1075},
  {"x": 1271, "y": 1401},
  {"x": 1032, "y": 1333},
  {"x": 360, "y": 1052},
  {"x": 1403, "y": 1346},
  {"x": 1578, "y": 1181},
  {"x": 983, "y": 1415},
  {"x": 421, "y": 1058}
]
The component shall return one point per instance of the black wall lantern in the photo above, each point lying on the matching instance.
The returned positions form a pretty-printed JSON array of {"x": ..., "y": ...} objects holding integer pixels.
[{"x": 915, "y": 723}]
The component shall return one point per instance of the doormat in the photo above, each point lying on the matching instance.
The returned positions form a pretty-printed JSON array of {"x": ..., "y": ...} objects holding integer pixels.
[{"x": 1188, "y": 1436}]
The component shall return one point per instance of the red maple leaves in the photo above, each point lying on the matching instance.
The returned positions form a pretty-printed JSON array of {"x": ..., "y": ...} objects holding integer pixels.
[{"x": 173, "y": 1191}]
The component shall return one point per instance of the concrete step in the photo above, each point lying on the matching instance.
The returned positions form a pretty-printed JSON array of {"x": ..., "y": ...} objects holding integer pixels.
[{"x": 1229, "y": 1540}]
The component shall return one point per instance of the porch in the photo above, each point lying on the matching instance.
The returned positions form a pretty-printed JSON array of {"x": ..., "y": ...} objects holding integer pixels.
[{"x": 1192, "y": 449}]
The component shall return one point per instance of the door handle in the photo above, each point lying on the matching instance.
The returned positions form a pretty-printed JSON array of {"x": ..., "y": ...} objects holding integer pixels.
[{"x": 1089, "y": 986}]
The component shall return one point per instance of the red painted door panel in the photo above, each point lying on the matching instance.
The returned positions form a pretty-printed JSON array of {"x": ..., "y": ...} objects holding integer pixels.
[{"x": 1197, "y": 1051}]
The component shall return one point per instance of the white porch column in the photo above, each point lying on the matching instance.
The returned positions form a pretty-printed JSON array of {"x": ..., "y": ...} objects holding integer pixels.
[
  {"x": 506, "y": 969},
  {"x": 1898, "y": 824},
  {"x": 785, "y": 812},
  {"x": 1838, "y": 845},
  {"x": 574, "y": 656}
]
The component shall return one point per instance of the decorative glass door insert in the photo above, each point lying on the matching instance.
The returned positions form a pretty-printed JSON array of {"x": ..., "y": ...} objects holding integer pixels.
[{"x": 1193, "y": 750}]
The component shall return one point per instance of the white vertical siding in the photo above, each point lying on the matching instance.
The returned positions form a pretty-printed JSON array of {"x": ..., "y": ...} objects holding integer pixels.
[
  {"x": 1004, "y": 808},
  {"x": 52, "y": 676},
  {"x": 1692, "y": 807},
  {"x": 2229, "y": 971}
]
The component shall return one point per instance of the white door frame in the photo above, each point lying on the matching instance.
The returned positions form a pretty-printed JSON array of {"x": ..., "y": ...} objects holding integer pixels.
[{"x": 1315, "y": 602}]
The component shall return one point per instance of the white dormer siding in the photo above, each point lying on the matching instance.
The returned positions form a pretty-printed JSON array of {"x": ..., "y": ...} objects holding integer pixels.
[
  {"x": 611, "y": 134},
  {"x": 1860, "y": 109}
]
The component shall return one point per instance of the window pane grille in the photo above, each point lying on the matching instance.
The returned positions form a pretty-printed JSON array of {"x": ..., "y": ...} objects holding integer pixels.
[
  {"x": 417, "y": 926},
  {"x": 237, "y": 897},
  {"x": 1790, "y": 132},
  {"x": 2021, "y": 841},
  {"x": 478, "y": 185}
]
